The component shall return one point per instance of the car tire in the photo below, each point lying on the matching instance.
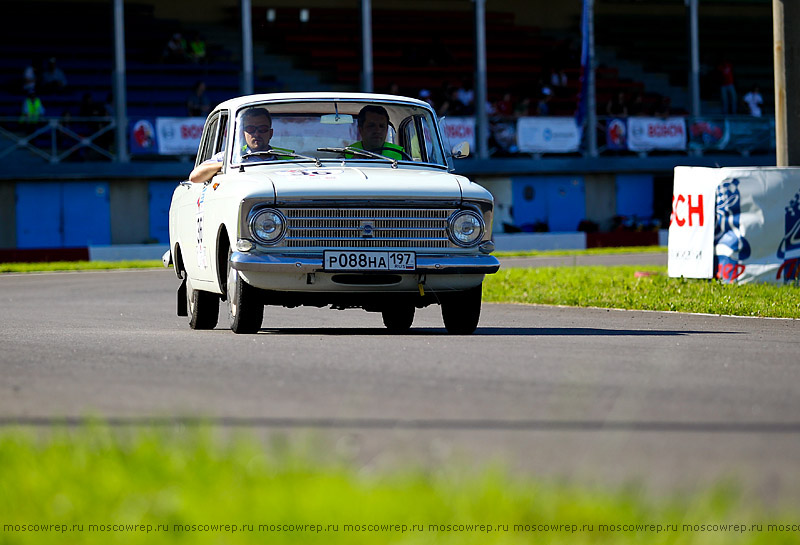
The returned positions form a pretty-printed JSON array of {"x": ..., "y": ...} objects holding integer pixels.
[
  {"x": 202, "y": 308},
  {"x": 462, "y": 310},
  {"x": 398, "y": 319},
  {"x": 245, "y": 309}
]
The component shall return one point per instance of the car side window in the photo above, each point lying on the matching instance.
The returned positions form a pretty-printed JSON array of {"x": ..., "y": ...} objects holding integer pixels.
[
  {"x": 414, "y": 138},
  {"x": 207, "y": 145},
  {"x": 222, "y": 134}
]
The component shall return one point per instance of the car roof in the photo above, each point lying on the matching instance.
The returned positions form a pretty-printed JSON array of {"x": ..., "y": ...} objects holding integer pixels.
[{"x": 238, "y": 102}]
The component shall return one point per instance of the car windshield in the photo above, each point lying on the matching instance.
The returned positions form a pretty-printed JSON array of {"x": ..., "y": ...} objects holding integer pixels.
[{"x": 389, "y": 133}]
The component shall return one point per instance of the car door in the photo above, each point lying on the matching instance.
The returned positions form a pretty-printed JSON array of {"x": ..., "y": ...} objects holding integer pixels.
[{"x": 197, "y": 237}]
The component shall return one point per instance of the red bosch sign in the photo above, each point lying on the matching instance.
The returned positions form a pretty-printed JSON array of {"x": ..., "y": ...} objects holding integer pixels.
[{"x": 687, "y": 209}]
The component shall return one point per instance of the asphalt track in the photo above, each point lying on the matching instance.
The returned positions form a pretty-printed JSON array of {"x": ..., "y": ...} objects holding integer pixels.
[{"x": 671, "y": 401}]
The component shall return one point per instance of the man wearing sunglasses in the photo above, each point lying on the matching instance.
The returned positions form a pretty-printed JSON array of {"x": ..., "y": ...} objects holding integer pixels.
[{"x": 257, "y": 129}]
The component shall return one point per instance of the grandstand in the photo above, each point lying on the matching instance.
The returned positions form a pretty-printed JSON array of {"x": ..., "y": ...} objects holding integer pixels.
[{"x": 641, "y": 50}]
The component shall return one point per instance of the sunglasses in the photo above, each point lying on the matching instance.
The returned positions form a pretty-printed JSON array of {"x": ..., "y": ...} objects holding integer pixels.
[{"x": 261, "y": 129}]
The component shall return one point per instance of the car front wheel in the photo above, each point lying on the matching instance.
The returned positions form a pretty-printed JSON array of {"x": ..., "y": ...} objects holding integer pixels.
[
  {"x": 245, "y": 309},
  {"x": 462, "y": 310}
]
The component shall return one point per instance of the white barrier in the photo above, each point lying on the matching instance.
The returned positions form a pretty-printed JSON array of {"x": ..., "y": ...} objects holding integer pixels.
[
  {"x": 127, "y": 252},
  {"x": 737, "y": 224},
  {"x": 539, "y": 241}
]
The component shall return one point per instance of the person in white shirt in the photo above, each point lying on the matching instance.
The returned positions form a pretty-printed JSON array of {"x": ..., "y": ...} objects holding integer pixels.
[{"x": 754, "y": 101}]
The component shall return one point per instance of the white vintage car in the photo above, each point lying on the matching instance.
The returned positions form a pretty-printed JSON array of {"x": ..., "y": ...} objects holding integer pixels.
[{"x": 304, "y": 209}]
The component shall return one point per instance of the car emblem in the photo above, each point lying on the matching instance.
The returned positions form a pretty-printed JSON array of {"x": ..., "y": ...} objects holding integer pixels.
[{"x": 367, "y": 229}]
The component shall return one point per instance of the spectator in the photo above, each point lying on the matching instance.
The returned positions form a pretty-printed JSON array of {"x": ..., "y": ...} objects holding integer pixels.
[
  {"x": 451, "y": 105},
  {"x": 466, "y": 96},
  {"x": 175, "y": 50},
  {"x": 53, "y": 78},
  {"x": 543, "y": 106},
  {"x": 754, "y": 100},
  {"x": 32, "y": 109},
  {"x": 198, "y": 105},
  {"x": 505, "y": 106},
  {"x": 197, "y": 48},
  {"x": 29, "y": 79},
  {"x": 89, "y": 108},
  {"x": 558, "y": 79},
  {"x": 664, "y": 108},
  {"x": 727, "y": 88},
  {"x": 637, "y": 105},
  {"x": 523, "y": 108},
  {"x": 617, "y": 106},
  {"x": 425, "y": 96}
]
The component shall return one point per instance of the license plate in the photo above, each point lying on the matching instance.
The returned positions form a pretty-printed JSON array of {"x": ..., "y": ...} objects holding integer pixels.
[{"x": 337, "y": 260}]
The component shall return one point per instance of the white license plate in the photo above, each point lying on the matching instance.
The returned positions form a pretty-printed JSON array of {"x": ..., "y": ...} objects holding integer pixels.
[{"x": 338, "y": 260}]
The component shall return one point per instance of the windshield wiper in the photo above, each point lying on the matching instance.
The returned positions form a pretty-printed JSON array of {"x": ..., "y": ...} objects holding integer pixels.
[
  {"x": 282, "y": 153},
  {"x": 362, "y": 153}
]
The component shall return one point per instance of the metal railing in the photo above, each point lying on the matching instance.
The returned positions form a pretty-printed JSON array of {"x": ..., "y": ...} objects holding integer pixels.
[{"x": 57, "y": 138}]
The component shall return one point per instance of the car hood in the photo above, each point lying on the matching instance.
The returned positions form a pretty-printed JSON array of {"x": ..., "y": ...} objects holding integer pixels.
[{"x": 372, "y": 184}]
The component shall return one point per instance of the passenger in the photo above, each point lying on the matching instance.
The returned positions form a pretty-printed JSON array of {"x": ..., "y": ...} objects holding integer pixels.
[
  {"x": 373, "y": 126},
  {"x": 257, "y": 131}
]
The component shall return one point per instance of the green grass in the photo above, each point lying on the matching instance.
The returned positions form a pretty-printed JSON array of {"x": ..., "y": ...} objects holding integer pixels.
[
  {"x": 588, "y": 251},
  {"x": 77, "y": 266},
  {"x": 618, "y": 287},
  {"x": 187, "y": 476}
]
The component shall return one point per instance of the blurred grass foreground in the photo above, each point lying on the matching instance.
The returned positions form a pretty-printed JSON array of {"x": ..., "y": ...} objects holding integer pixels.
[{"x": 184, "y": 484}]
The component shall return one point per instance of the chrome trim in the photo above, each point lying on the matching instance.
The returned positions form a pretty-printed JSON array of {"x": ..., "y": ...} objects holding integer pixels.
[
  {"x": 436, "y": 264},
  {"x": 329, "y": 227}
]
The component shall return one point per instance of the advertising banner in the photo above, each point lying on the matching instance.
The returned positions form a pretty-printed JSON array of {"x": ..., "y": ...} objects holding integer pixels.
[
  {"x": 459, "y": 129},
  {"x": 756, "y": 223},
  {"x": 548, "y": 135},
  {"x": 166, "y": 135},
  {"x": 617, "y": 134},
  {"x": 179, "y": 135},
  {"x": 708, "y": 133},
  {"x": 653, "y": 133},
  {"x": 735, "y": 134},
  {"x": 143, "y": 137},
  {"x": 691, "y": 225}
]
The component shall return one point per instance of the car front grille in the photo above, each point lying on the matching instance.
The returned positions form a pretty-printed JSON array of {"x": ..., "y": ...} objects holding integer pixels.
[{"x": 367, "y": 227}]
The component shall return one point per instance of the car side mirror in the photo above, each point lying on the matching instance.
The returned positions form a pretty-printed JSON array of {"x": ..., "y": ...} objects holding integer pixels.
[{"x": 461, "y": 150}]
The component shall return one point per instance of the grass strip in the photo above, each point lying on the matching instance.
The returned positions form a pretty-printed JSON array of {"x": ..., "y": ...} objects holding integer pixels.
[
  {"x": 183, "y": 485},
  {"x": 589, "y": 251},
  {"x": 619, "y": 287},
  {"x": 54, "y": 266}
]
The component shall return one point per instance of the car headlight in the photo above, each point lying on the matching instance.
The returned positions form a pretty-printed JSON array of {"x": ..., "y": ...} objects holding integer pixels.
[
  {"x": 465, "y": 228},
  {"x": 267, "y": 225}
]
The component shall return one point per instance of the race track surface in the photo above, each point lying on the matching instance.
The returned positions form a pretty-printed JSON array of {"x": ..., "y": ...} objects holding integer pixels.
[{"x": 672, "y": 401}]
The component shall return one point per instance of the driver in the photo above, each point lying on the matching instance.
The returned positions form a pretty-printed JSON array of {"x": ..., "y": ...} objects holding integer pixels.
[
  {"x": 373, "y": 125},
  {"x": 257, "y": 129}
]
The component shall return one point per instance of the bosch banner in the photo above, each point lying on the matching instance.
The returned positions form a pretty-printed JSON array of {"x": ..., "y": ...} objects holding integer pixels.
[
  {"x": 756, "y": 224},
  {"x": 653, "y": 133}
]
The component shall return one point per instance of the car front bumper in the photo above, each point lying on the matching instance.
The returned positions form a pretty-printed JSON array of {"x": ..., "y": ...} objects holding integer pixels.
[{"x": 435, "y": 264}]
